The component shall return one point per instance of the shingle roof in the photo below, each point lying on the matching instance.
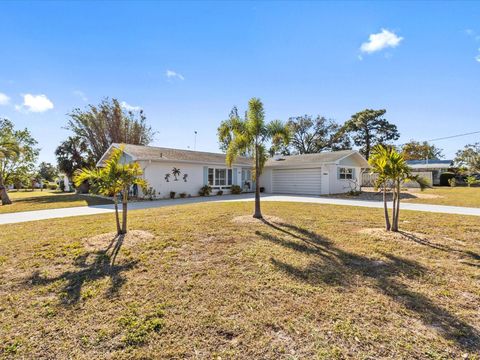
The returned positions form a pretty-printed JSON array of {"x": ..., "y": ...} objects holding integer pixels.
[
  {"x": 140, "y": 152},
  {"x": 323, "y": 157}
]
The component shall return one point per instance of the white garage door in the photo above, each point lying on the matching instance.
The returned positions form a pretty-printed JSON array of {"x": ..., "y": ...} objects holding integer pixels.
[{"x": 297, "y": 181}]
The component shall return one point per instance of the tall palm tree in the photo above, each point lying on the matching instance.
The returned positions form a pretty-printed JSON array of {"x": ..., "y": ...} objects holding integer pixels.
[
  {"x": 9, "y": 149},
  {"x": 113, "y": 179},
  {"x": 392, "y": 169},
  {"x": 250, "y": 136}
]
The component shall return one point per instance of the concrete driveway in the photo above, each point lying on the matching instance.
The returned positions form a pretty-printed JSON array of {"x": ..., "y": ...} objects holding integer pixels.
[{"x": 20, "y": 217}]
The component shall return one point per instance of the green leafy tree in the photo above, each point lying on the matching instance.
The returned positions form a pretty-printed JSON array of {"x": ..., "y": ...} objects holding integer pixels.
[
  {"x": 114, "y": 179},
  {"x": 47, "y": 171},
  {"x": 416, "y": 150},
  {"x": 73, "y": 154},
  {"x": 469, "y": 157},
  {"x": 101, "y": 125},
  {"x": 369, "y": 128},
  {"x": 392, "y": 171},
  {"x": 251, "y": 136},
  {"x": 312, "y": 135},
  {"x": 18, "y": 154}
]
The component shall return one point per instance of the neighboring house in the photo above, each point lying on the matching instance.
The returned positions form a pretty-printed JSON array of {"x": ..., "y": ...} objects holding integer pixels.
[
  {"x": 314, "y": 174},
  {"x": 434, "y": 167},
  {"x": 186, "y": 171}
]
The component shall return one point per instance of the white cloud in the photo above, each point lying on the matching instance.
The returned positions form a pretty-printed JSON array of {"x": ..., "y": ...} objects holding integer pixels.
[
  {"x": 80, "y": 94},
  {"x": 478, "y": 56},
  {"x": 380, "y": 41},
  {"x": 35, "y": 103},
  {"x": 4, "y": 99},
  {"x": 129, "y": 107},
  {"x": 174, "y": 75}
]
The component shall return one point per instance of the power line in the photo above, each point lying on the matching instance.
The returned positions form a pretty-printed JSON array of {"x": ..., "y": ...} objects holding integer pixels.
[{"x": 455, "y": 136}]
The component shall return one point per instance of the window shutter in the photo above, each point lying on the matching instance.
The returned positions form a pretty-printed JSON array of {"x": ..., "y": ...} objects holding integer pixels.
[
  {"x": 234, "y": 178},
  {"x": 338, "y": 172},
  {"x": 205, "y": 175},
  {"x": 353, "y": 173}
]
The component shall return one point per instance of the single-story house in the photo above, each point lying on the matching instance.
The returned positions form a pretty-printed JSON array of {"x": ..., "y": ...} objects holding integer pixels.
[
  {"x": 314, "y": 174},
  {"x": 186, "y": 171},
  {"x": 434, "y": 167}
]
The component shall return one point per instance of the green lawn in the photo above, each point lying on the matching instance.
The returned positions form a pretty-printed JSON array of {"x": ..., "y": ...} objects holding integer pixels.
[
  {"x": 205, "y": 281},
  {"x": 455, "y": 196},
  {"x": 41, "y": 200}
]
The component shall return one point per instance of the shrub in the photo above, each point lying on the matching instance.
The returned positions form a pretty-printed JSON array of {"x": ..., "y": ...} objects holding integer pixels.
[
  {"x": 205, "y": 190},
  {"x": 220, "y": 192},
  {"x": 52, "y": 186},
  {"x": 235, "y": 189},
  {"x": 149, "y": 193},
  {"x": 445, "y": 177},
  {"x": 471, "y": 180},
  {"x": 172, "y": 194},
  {"x": 183, "y": 195},
  {"x": 452, "y": 182},
  {"x": 62, "y": 185}
]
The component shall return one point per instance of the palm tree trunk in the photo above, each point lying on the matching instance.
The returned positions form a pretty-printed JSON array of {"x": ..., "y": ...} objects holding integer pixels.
[
  {"x": 258, "y": 212},
  {"x": 3, "y": 193},
  {"x": 395, "y": 225},
  {"x": 385, "y": 208},
  {"x": 124, "y": 210},
  {"x": 117, "y": 218},
  {"x": 394, "y": 206}
]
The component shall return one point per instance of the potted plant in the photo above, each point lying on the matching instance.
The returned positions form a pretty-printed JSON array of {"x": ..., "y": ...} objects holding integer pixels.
[{"x": 172, "y": 194}]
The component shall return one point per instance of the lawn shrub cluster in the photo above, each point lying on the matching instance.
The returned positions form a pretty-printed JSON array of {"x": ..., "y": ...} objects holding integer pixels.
[
  {"x": 235, "y": 189},
  {"x": 205, "y": 190}
]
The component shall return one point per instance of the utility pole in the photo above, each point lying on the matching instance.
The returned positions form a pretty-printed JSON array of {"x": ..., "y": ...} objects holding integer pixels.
[{"x": 195, "y": 141}]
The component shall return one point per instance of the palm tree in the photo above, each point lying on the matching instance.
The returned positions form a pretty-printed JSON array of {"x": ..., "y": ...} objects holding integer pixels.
[
  {"x": 249, "y": 136},
  {"x": 379, "y": 166},
  {"x": 392, "y": 169},
  {"x": 113, "y": 179},
  {"x": 9, "y": 149}
]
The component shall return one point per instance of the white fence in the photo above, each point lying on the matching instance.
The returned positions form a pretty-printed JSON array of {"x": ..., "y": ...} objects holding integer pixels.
[{"x": 368, "y": 179}]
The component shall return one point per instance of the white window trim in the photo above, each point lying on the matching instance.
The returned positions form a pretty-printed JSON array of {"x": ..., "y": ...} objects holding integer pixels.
[
  {"x": 213, "y": 186},
  {"x": 345, "y": 168}
]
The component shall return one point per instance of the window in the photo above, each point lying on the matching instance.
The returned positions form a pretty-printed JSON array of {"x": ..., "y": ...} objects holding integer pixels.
[
  {"x": 220, "y": 177},
  {"x": 345, "y": 173}
]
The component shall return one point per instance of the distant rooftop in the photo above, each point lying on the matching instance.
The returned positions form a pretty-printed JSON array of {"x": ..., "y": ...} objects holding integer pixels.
[{"x": 431, "y": 163}]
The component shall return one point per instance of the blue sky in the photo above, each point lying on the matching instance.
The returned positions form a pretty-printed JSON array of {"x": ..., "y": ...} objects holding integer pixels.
[{"x": 298, "y": 57}]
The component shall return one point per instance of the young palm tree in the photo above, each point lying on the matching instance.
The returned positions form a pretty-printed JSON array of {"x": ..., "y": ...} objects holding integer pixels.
[
  {"x": 391, "y": 168},
  {"x": 9, "y": 148},
  {"x": 249, "y": 136},
  {"x": 113, "y": 179},
  {"x": 379, "y": 166}
]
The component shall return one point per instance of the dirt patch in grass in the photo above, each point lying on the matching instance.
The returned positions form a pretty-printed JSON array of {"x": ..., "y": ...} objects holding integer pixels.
[
  {"x": 382, "y": 234},
  {"x": 375, "y": 195},
  {"x": 249, "y": 219},
  {"x": 132, "y": 238}
]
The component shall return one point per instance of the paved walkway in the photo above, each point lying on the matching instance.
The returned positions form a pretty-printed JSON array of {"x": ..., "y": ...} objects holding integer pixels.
[{"x": 20, "y": 217}]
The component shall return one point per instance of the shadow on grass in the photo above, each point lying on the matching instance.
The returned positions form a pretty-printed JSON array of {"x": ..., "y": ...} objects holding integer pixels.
[
  {"x": 466, "y": 254},
  {"x": 336, "y": 267},
  {"x": 91, "y": 266},
  {"x": 61, "y": 197}
]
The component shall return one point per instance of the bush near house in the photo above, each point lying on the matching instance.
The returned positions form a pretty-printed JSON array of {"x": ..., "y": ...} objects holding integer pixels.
[
  {"x": 236, "y": 189},
  {"x": 205, "y": 190}
]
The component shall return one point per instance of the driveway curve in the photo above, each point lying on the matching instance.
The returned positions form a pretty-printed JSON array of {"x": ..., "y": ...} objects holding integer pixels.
[{"x": 19, "y": 217}]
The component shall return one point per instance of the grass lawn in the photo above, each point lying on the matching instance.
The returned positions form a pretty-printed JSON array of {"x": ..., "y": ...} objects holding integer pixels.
[
  {"x": 47, "y": 199},
  {"x": 205, "y": 281},
  {"x": 455, "y": 196}
]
